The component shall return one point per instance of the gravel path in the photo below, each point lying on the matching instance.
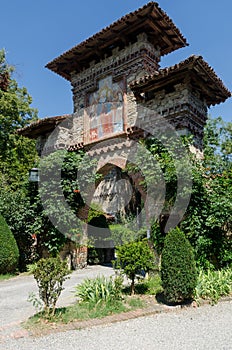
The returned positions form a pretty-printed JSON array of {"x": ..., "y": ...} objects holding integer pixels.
[
  {"x": 14, "y": 307},
  {"x": 207, "y": 327}
]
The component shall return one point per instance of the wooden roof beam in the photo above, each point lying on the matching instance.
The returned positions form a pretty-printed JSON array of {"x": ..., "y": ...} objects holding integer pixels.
[{"x": 156, "y": 28}]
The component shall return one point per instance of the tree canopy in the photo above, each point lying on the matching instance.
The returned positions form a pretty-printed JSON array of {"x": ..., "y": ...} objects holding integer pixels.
[
  {"x": 17, "y": 153},
  {"x": 207, "y": 221}
]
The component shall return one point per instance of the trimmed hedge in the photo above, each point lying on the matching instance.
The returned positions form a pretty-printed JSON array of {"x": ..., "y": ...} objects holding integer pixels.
[
  {"x": 9, "y": 252},
  {"x": 178, "y": 268}
]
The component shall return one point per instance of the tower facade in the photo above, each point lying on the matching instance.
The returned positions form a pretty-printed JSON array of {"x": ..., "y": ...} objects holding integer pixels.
[
  {"x": 116, "y": 72},
  {"x": 121, "y": 95}
]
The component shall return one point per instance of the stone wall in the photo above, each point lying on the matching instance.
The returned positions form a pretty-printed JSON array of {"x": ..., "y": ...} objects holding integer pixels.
[
  {"x": 76, "y": 256},
  {"x": 182, "y": 108},
  {"x": 132, "y": 62},
  {"x": 68, "y": 132}
]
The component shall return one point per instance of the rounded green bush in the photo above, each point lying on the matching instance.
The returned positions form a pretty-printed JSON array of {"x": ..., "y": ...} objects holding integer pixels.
[
  {"x": 178, "y": 268},
  {"x": 134, "y": 257},
  {"x": 9, "y": 253}
]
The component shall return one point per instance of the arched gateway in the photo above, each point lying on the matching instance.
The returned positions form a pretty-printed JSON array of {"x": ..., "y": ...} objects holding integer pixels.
[{"x": 121, "y": 96}]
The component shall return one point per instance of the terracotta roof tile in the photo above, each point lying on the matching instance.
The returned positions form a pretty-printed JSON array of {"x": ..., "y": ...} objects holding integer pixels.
[
  {"x": 46, "y": 124},
  {"x": 84, "y": 52},
  {"x": 195, "y": 64}
]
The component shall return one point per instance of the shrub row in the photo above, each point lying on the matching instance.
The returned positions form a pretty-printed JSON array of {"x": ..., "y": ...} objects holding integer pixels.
[{"x": 178, "y": 279}]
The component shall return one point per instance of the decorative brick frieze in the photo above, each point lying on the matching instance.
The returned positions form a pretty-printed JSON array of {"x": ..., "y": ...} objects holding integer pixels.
[
  {"x": 182, "y": 108},
  {"x": 138, "y": 58}
]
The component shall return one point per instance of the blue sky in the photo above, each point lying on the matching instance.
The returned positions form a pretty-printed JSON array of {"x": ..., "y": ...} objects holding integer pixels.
[{"x": 35, "y": 32}]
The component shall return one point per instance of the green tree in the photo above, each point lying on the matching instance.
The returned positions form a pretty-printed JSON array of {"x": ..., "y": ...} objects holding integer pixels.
[
  {"x": 67, "y": 181},
  {"x": 28, "y": 209},
  {"x": 133, "y": 258},
  {"x": 208, "y": 220},
  {"x": 17, "y": 154},
  {"x": 178, "y": 268},
  {"x": 9, "y": 253},
  {"x": 218, "y": 145}
]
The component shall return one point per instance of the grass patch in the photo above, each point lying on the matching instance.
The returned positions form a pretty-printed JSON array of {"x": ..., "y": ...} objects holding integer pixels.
[
  {"x": 88, "y": 310},
  {"x": 81, "y": 311},
  {"x": 150, "y": 286},
  {"x": 7, "y": 276},
  {"x": 136, "y": 303},
  {"x": 100, "y": 289},
  {"x": 97, "y": 298}
]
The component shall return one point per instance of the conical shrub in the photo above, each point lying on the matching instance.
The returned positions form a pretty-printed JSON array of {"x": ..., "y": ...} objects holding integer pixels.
[
  {"x": 9, "y": 253},
  {"x": 178, "y": 268}
]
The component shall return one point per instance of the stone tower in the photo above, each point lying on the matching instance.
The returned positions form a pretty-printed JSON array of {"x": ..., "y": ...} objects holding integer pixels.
[
  {"x": 119, "y": 93},
  {"x": 119, "y": 67}
]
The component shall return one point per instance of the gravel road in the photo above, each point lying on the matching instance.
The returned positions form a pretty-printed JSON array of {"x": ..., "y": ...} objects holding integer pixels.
[
  {"x": 206, "y": 327},
  {"x": 14, "y": 307}
]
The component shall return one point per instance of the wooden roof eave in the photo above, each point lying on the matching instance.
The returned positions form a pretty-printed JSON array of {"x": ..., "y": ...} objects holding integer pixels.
[
  {"x": 203, "y": 77},
  {"x": 215, "y": 85},
  {"x": 41, "y": 127},
  {"x": 115, "y": 33}
]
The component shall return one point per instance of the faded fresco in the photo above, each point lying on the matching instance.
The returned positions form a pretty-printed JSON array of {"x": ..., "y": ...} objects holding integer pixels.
[{"x": 105, "y": 110}]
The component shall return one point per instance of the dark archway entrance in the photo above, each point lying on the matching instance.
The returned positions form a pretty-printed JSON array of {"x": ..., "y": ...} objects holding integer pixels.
[{"x": 116, "y": 200}]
